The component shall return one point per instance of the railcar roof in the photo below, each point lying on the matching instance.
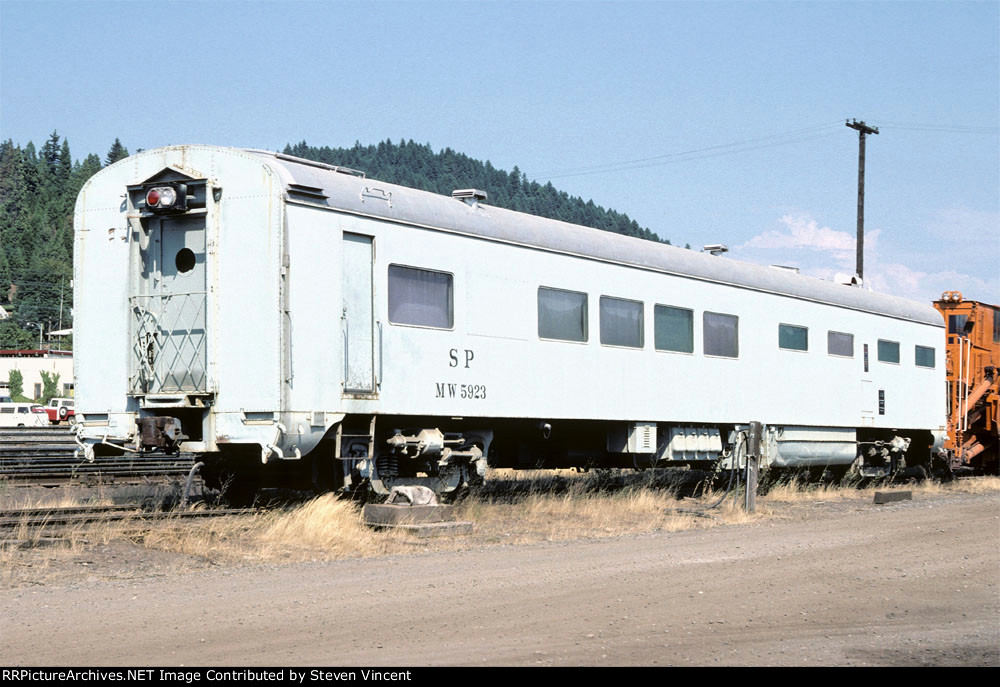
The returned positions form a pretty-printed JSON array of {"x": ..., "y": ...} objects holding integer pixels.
[{"x": 400, "y": 203}]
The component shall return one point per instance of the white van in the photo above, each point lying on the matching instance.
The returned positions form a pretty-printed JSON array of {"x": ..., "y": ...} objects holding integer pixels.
[{"x": 22, "y": 415}]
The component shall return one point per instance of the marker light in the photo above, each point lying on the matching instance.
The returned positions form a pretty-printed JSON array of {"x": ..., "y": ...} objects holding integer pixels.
[
  {"x": 171, "y": 197},
  {"x": 168, "y": 197}
]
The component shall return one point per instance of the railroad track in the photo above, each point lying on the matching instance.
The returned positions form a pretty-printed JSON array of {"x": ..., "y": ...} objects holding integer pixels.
[
  {"x": 51, "y": 524},
  {"x": 46, "y": 456}
]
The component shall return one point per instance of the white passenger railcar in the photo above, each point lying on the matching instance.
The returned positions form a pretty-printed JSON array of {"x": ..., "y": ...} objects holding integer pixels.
[{"x": 274, "y": 312}]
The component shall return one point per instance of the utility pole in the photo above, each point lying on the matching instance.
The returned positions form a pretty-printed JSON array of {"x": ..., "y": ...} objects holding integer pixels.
[{"x": 862, "y": 129}]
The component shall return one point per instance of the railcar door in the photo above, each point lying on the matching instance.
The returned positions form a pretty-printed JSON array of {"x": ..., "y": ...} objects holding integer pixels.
[
  {"x": 358, "y": 315},
  {"x": 170, "y": 342}
]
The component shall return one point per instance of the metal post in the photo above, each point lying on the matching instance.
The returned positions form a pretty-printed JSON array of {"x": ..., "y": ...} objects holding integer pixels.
[
  {"x": 862, "y": 130},
  {"x": 753, "y": 465}
]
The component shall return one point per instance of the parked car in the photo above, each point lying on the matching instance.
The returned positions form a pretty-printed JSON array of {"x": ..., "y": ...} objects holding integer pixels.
[
  {"x": 6, "y": 399},
  {"x": 61, "y": 410},
  {"x": 21, "y": 415}
]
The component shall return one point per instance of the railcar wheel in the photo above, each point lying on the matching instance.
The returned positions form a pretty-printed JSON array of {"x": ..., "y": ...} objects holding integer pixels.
[
  {"x": 915, "y": 474},
  {"x": 446, "y": 484}
]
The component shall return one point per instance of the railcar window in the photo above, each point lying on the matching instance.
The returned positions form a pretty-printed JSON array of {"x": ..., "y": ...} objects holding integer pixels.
[
  {"x": 621, "y": 322},
  {"x": 721, "y": 335},
  {"x": 996, "y": 326},
  {"x": 673, "y": 329},
  {"x": 924, "y": 356},
  {"x": 888, "y": 351},
  {"x": 562, "y": 314},
  {"x": 793, "y": 338},
  {"x": 956, "y": 324},
  {"x": 839, "y": 343},
  {"x": 421, "y": 297}
]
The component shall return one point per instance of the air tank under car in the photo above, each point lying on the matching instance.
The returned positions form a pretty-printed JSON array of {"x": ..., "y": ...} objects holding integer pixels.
[{"x": 289, "y": 319}]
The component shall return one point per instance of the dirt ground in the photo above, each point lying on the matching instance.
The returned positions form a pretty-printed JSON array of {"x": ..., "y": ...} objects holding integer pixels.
[{"x": 838, "y": 582}]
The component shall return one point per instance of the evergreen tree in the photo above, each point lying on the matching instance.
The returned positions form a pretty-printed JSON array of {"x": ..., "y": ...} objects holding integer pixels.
[
  {"x": 65, "y": 166},
  {"x": 416, "y": 165},
  {"x": 50, "y": 152},
  {"x": 116, "y": 153}
]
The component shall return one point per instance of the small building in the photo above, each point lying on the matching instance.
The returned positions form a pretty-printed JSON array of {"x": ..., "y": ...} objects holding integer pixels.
[{"x": 31, "y": 364}]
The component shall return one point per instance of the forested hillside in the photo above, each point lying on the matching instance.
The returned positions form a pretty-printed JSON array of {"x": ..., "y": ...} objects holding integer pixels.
[
  {"x": 38, "y": 189},
  {"x": 418, "y": 166}
]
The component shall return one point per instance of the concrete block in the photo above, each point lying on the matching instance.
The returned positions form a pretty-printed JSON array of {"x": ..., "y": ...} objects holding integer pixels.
[
  {"x": 890, "y": 496},
  {"x": 387, "y": 515}
]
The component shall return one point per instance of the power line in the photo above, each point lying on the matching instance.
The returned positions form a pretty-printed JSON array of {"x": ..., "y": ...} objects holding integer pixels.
[
  {"x": 946, "y": 128},
  {"x": 713, "y": 151},
  {"x": 692, "y": 158},
  {"x": 751, "y": 144}
]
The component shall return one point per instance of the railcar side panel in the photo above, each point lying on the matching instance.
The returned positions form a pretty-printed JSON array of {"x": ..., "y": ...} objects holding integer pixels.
[
  {"x": 249, "y": 253},
  {"x": 101, "y": 275},
  {"x": 494, "y": 348},
  {"x": 314, "y": 249}
]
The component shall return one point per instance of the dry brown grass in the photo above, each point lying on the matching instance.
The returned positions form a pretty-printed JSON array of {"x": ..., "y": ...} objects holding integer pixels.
[
  {"x": 796, "y": 491},
  {"x": 520, "y": 508},
  {"x": 532, "y": 508},
  {"x": 324, "y": 527}
]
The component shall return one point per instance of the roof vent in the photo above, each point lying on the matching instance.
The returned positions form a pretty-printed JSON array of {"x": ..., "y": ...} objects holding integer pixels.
[
  {"x": 715, "y": 248},
  {"x": 471, "y": 196},
  {"x": 785, "y": 268},
  {"x": 847, "y": 279},
  {"x": 303, "y": 192}
]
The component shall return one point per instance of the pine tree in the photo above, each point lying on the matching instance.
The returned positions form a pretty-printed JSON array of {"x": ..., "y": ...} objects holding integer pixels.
[
  {"x": 65, "y": 166},
  {"x": 418, "y": 166},
  {"x": 115, "y": 153}
]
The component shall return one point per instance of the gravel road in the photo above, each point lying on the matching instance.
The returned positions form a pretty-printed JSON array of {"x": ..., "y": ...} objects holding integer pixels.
[{"x": 913, "y": 583}]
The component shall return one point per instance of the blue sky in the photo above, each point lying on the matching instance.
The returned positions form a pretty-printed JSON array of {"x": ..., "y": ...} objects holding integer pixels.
[{"x": 566, "y": 91}]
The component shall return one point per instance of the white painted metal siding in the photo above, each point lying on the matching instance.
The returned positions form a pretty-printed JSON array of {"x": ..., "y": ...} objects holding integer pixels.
[
  {"x": 268, "y": 254},
  {"x": 314, "y": 248},
  {"x": 244, "y": 245},
  {"x": 496, "y": 318}
]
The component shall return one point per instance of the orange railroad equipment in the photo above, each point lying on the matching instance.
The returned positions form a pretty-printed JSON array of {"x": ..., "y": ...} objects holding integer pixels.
[{"x": 972, "y": 358}]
